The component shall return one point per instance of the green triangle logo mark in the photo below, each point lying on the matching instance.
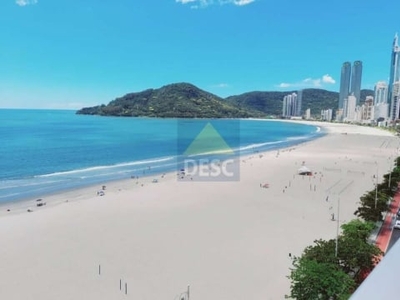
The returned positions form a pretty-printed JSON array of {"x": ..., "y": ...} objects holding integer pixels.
[{"x": 208, "y": 141}]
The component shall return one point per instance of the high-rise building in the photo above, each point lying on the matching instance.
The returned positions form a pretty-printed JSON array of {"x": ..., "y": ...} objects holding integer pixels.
[
  {"x": 351, "y": 103},
  {"x": 394, "y": 76},
  {"x": 339, "y": 115},
  {"x": 381, "y": 111},
  {"x": 299, "y": 103},
  {"x": 308, "y": 114},
  {"x": 395, "y": 107},
  {"x": 350, "y": 83},
  {"x": 292, "y": 105},
  {"x": 326, "y": 115},
  {"x": 381, "y": 92},
  {"x": 356, "y": 74},
  {"x": 344, "y": 83},
  {"x": 367, "y": 109},
  {"x": 289, "y": 105}
]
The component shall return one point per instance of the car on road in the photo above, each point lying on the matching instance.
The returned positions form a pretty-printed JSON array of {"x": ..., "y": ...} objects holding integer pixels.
[
  {"x": 397, "y": 224},
  {"x": 398, "y": 213}
]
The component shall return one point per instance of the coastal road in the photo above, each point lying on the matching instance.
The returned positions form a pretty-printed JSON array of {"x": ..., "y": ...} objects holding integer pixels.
[
  {"x": 395, "y": 233},
  {"x": 395, "y": 236}
]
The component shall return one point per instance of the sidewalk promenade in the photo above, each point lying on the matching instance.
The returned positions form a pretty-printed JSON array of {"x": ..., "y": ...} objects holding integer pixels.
[{"x": 386, "y": 230}]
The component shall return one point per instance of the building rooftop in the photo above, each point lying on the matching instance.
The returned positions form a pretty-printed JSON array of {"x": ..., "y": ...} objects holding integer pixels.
[{"x": 383, "y": 282}]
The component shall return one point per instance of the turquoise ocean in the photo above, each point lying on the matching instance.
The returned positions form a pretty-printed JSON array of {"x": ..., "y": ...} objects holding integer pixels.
[{"x": 47, "y": 151}]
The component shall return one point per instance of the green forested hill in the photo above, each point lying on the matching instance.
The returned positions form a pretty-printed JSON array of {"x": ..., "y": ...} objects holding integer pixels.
[
  {"x": 271, "y": 102},
  {"x": 178, "y": 100},
  {"x": 184, "y": 100}
]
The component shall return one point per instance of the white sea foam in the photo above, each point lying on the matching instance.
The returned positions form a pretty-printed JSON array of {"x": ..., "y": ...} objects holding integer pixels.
[
  {"x": 258, "y": 145},
  {"x": 298, "y": 138},
  {"x": 9, "y": 184},
  {"x": 98, "y": 168}
]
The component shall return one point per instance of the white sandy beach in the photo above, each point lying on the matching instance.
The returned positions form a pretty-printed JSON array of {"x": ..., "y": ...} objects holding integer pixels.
[{"x": 227, "y": 240}]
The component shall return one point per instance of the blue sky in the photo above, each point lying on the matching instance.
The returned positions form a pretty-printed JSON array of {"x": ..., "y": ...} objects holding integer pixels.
[{"x": 70, "y": 54}]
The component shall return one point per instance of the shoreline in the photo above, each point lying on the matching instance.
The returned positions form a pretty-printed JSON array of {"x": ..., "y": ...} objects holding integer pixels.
[
  {"x": 23, "y": 202},
  {"x": 227, "y": 240}
]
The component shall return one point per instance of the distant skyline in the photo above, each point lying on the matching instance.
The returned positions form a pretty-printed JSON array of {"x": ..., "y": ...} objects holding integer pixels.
[{"x": 70, "y": 54}]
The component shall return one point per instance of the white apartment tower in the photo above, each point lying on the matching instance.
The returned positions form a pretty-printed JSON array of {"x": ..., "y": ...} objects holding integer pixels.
[
  {"x": 308, "y": 114},
  {"x": 291, "y": 105},
  {"x": 326, "y": 115},
  {"x": 381, "y": 92},
  {"x": 381, "y": 105},
  {"x": 395, "y": 109},
  {"x": 367, "y": 109},
  {"x": 381, "y": 111},
  {"x": 350, "y": 113}
]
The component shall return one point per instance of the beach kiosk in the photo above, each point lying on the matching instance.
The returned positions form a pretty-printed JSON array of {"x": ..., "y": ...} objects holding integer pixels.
[{"x": 304, "y": 171}]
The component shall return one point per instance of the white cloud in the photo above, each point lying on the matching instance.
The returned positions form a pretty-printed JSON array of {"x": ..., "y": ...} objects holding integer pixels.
[
  {"x": 284, "y": 85},
  {"x": 328, "y": 79},
  {"x": 185, "y": 1},
  {"x": 25, "y": 2},
  {"x": 242, "y": 2},
  {"x": 222, "y": 85},
  {"x": 204, "y": 3},
  {"x": 309, "y": 82},
  {"x": 312, "y": 82}
]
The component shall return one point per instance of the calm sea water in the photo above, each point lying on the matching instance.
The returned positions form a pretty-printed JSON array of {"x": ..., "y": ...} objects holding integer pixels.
[{"x": 45, "y": 151}]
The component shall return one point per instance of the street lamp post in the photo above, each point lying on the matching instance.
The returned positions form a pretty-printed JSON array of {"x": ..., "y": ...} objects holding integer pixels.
[
  {"x": 390, "y": 172},
  {"x": 338, "y": 216},
  {"x": 337, "y": 228},
  {"x": 376, "y": 186},
  {"x": 185, "y": 295}
]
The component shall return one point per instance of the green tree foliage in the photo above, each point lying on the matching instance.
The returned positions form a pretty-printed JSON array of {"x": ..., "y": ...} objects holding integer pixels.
[
  {"x": 367, "y": 210},
  {"x": 322, "y": 251},
  {"x": 357, "y": 229},
  {"x": 355, "y": 253},
  {"x": 394, "y": 177},
  {"x": 312, "y": 280},
  {"x": 267, "y": 102},
  {"x": 354, "y": 256}
]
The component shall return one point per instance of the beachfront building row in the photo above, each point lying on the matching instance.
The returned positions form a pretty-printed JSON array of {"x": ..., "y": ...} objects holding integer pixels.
[
  {"x": 375, "y": 110},
  {"x": 386, "y": 109},
  {"x": 353, "y": 113},
  {"x": 327, "y": 115},
  {"x": 291, "y": 106},
  {"x": 386, "y": 104}
]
